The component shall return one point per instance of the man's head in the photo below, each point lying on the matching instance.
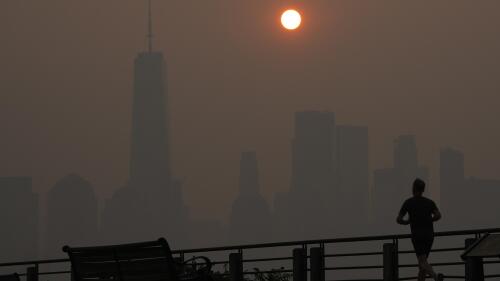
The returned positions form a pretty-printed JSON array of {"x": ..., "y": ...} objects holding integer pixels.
[{"x": 418, "y": 187}]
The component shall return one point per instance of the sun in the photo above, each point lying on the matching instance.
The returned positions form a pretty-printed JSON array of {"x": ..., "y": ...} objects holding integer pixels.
[{"x": 291, "y": 19}]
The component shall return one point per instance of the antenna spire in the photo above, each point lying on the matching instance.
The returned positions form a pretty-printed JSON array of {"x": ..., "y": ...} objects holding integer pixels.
[{"x": 150, "y": 28}]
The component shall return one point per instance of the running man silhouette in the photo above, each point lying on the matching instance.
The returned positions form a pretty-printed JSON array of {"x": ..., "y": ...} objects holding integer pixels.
[{"x": 422, "y": 212}]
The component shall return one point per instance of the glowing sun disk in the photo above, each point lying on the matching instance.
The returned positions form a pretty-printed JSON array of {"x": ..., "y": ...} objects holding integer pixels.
[{"x": 291, "y": 19}]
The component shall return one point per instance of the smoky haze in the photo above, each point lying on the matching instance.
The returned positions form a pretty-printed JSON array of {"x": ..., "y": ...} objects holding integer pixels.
[{"x": 235, "y": 80}]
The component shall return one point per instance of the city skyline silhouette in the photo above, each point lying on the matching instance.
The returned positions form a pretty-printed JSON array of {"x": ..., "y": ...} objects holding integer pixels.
[{"x": 216, "y": 122}]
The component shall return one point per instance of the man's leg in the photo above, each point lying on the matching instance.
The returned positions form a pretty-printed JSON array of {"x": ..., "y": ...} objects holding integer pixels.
[
  {"x": 425, "y": 267},
  {"x": 421, "y": 274}
]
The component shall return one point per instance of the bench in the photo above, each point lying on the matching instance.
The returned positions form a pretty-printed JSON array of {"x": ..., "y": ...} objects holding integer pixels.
[
  {"x": 145, "y": 261},
  {"x": 10, "y": 277}
]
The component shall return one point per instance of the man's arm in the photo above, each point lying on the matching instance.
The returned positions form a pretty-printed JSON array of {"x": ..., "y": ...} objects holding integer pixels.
[
  {"x": 401, "y": 220},
  {"x": 436, "y": 215},
  {"x": 402, "y": 213}
]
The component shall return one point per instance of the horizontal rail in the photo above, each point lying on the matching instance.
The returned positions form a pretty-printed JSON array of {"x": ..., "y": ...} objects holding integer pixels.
[
  {"x": 34, "y": 262},
  {"x": 307, "y": 244},
  {"x": 267, "y": 271},
  {"x": 54, "y": 272},
  {"x": 354, "y": 254},
  {"x": 288, "y": 244},
  {"x": 247, "y": 260},
  {"x": 357, "y": 280},
  {"x": 214, "y": 263},
  {"x": 49, "y": 273},
  {"x": 268, "y": 259},
  {"x": 354, "y": 267},
  {"x": 334, "y": 240},
  {"x": 400, "y": 252},
  {"x": 434, "y": 250},
  {"x": 434, "y": 264}
]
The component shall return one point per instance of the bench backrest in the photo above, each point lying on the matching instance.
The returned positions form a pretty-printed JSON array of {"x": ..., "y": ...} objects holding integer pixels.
[
  {"x": 10, "y": 277},
  {"x": 146, "y": 261}
]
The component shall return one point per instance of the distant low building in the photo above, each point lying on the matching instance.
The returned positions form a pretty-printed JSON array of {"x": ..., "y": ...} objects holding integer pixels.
[
  {"x": 72, "y": 214},
  {"x": 467, "y": 202},
  {"x": 19, "y": 215}
]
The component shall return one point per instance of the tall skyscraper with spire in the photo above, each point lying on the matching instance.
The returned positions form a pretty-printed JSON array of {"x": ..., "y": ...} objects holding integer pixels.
[
  {"x": 149, "y": 159},
  {"x": 151, "y": 204}
]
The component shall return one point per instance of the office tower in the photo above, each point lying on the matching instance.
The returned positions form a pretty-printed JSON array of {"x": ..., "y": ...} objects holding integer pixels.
[
  {"x": 477, "y": 206},
  {"x": 452, "y": 183},
  {"x": 311, "y": 201},
  {"x": 466, "y": 201},
  {"x": 313, "y": 150},
  {"x": 352, "y": 177},
  {"x": 406, "y": 165},
  {"x": 72, "y": 214},
  {"x": 149, "y": 158},
  {"x": 150, "y": 205},
  {"x": 19, "y": 218},
  {"x": 393, "y": 185},
  {"x": 250, "y": 214},
  {"x": 405, "y": 153}
]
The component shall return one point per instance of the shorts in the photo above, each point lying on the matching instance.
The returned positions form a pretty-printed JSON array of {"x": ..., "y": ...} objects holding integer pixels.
[{"x": 422, "y": 244}]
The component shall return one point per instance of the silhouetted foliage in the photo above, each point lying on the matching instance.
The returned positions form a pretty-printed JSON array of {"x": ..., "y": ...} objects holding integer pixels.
[
  {"x": 271, "y": 275},
  {"x": 274, "y": 275}
]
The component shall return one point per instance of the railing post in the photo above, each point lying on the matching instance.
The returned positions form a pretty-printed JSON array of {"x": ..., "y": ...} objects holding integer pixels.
[
  {"x": 391, "y": 270},
  {"x": 236, "y": 267},
  {"x": 32, "y": 273},
  {"x": 474, "y": 270},
  {"x": 317, "y": 264},
  {"x": 299, "y": 264}
]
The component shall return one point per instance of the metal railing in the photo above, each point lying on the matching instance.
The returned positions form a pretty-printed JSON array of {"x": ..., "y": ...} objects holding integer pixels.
[{"x": 298, "y": 259}]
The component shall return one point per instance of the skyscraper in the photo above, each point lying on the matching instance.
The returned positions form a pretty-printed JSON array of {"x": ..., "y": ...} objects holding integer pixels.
[
  {"x": 405, "y": 153},
  {"x": 393, "y": 185},
  {"x": 250, "y": 214},
  {"x": 149, "y": 159},
  {"x": 452, "y": 184},
  {"x": 466, "y": 201},
  {"x": 150, "y": 205},
  {"x": 313, "y": 150},
  {"x": 19, "y": 217},
  {"x": 352, "y": 176},
  {"x": 311, "y": 199}
]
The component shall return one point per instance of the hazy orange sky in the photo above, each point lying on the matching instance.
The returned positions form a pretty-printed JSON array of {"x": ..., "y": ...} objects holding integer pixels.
[{"x": 430, "y": 68}]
